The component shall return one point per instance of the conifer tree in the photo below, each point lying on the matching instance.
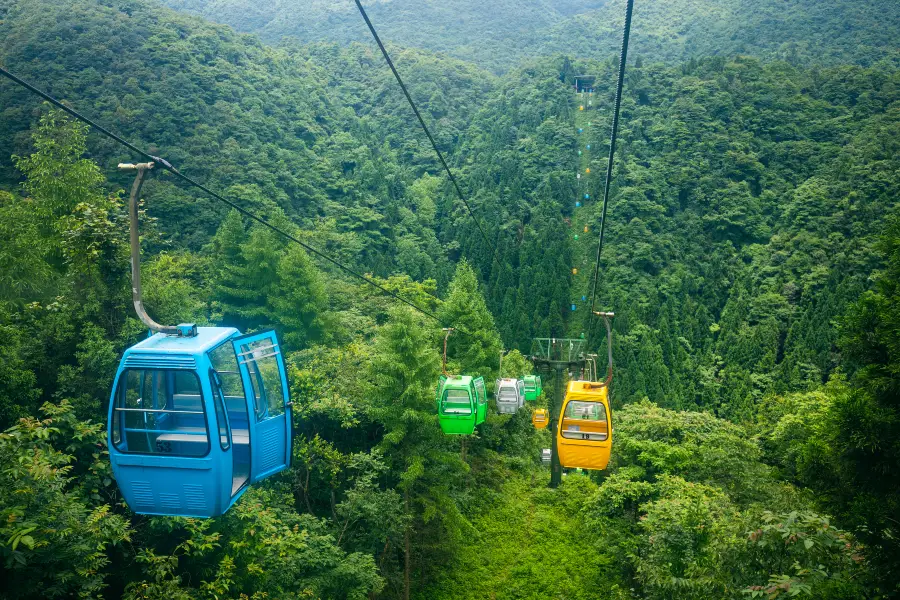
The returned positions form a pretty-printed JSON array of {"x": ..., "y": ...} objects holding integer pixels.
[
  {"x": 259, "y": 281},
  {"x": 866, "y": 421},
  {"x": 228, "y": 265},
  {"x": 404, "y": 371},
  {"x": 477, "y": 350},
  {"x": 299, "y": 301}
]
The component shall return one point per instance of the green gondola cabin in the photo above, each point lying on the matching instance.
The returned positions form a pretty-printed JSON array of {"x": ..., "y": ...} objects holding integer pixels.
[
  {"x": 533, "y": 387},
  {"x": 461, "y": 404}
]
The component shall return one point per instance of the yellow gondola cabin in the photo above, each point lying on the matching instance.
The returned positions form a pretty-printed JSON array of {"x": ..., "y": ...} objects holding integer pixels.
[
  {"x": 540, "y": 418},
  {"x": 584, "y": 431}
]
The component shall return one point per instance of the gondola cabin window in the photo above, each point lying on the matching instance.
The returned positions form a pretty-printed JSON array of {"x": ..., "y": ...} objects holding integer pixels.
[
  {"x": 229, "y": 391},
  {"x": 268, "y": 396},
  {"x": 481, "y": 391},
  {"x": 457, "y": 402},
  {"x": 585, "y": 421},
  {"x": 508, "y": 395},
  {"x": 221, "y": 419},
  {"x": 160, "y": 411}
]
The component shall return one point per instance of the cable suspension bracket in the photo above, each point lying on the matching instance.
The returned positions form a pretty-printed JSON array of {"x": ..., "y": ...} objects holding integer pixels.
[
  {"x": 181, "y": 330},
  {"x": 447, "y": 331}
]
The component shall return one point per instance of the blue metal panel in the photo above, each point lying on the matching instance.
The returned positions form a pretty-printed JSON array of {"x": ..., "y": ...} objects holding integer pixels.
[
  {"x": 172, "y": 488},
  {"x": 270, "y": 446},
  {"x": 142, "y": 360}
]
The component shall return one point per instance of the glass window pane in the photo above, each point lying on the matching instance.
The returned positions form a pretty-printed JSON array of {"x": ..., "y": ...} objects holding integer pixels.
[
  {"x": 588, "y": 411},
  {"x": 224, "y": 362},
  {"x": 261, "y": 358},
  {"x": 585, "y": 421},
  {"x": 457, "y": 402},
  {"x": 507, "y": 393},
  {"x": 482, "y": 393},
  {"x": 160, "y": 411}
]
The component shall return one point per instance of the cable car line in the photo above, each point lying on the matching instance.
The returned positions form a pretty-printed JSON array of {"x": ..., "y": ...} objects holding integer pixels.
[
  {"x": 609, "y": 166},
  {"x": 170, "y": 168},
  {"x": 437, "y": 151}
]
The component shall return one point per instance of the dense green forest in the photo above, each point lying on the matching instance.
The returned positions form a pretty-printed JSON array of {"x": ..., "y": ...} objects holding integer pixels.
[
  {"x": 752, "y": 259},
  {"x": 498, "y": 35}
]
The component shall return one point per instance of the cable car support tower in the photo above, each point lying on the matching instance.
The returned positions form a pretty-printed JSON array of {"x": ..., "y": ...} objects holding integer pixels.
[
  {"x": 556, "y": 357},
  {"x": 559, "y": 357}
]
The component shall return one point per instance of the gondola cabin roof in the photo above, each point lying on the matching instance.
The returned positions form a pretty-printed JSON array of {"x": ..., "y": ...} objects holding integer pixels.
[
  {"x": 587, "y": 390},
  {"x": 207, "y": 338},
  {"x": 162, "y": 351},
  {"x": 458, "y": 380}
]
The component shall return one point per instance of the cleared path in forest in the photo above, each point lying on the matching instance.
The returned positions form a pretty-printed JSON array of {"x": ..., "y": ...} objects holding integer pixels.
[{"x": 530, "y": 545}]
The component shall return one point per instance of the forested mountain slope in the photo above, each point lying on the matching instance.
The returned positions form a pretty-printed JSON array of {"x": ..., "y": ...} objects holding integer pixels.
[
  {"x": 752, "y": 258},
  {"x": 810, "y": 32},
  {"x": 498, "y": 35},
  {"x": 265, "y": 126},
  {"x": 746, "y": 200},
  {"x": 492, "y": 34}
]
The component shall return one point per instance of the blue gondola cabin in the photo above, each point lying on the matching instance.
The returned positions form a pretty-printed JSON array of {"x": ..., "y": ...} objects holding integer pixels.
[{"x": 194, "y": 420}]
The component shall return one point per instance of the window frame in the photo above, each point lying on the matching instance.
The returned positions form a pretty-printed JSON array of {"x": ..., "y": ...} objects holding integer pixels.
[
  {"x": 472, "y": 406},
  {"x": 602, "y": 412},
  {"x": 119, "y": 424},
  {"x": 580, "y": 435},
  {"x": 507, "y": 390},
  {"x": 262, "y": 396},
  {"x": 480, "y": 392},
  {"x": 220, "y": 409}
]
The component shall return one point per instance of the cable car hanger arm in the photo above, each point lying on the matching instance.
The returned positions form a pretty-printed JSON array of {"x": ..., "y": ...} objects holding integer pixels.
[
  {"x": 184, "y": 329},
  {"x": 606, "y": 320},
  {"x": 447, "y": 331}
]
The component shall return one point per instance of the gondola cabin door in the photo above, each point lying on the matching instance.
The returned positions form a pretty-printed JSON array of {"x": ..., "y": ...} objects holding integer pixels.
[
  {"x": 261, "y": 366},
  {"x": 481, "y": 394},
  {"x": 458, "y": 404}
]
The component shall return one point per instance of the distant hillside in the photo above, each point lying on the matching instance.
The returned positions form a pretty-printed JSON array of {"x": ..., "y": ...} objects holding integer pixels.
[
  {"x": 741, "y": 218},
  {"x": 494, "y": 34},
  {"x": 499, "y": 34},
  {"x": 825, "y": 32}
]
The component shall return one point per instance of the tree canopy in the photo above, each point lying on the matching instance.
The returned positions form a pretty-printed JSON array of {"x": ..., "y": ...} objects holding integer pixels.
[{"x": 752, "y": 258}]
